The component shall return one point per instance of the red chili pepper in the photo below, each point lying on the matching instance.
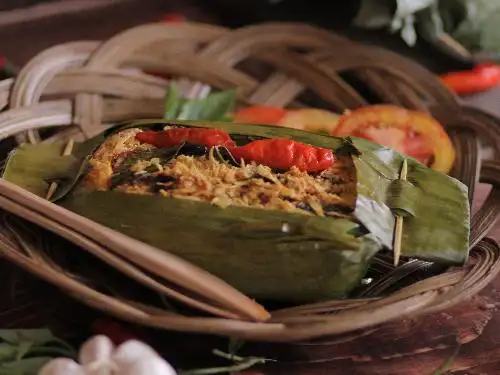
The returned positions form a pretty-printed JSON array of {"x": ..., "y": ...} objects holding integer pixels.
[
  {"x": 116, "y": 332},
  {"x": 197, "y": 136},
  {"x": 174, "y": 17},
  {"x": 481, "y": 78},
  {"x": 283, "y": 153}
]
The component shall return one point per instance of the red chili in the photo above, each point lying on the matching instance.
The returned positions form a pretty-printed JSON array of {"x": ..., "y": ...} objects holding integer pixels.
[
  {"x": 283, "y": 153},
  {"x": 480, "y": 78},
  {"x": 116, "y": 332},
  {"x": 174, "y": 17},
  {"x": 197, "y": 136}
]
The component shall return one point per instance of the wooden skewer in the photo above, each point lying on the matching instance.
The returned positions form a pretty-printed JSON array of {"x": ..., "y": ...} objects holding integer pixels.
[
  {"x": 67, "y": 151},
  {"x": 398, "y": 230}
]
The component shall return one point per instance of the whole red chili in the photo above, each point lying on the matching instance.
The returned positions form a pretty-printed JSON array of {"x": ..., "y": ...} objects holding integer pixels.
[
  {"x": 198, "y": 136},
  {"x": 480, "y": 78},
  {"x": 174, "y": 17},
  {"x": 115, "y": 331},
  {"x": 280, "y": 153}
]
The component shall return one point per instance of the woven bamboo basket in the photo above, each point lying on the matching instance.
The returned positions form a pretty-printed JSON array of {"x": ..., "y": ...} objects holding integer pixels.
[{"x": 78, "y": 89}]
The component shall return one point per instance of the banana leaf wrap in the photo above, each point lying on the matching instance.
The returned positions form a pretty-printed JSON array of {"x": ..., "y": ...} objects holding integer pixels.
[{"x": 271, "y": 254}]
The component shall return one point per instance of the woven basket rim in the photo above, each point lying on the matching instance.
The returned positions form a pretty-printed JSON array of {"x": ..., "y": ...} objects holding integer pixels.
[{"x": 80, "y": 86}]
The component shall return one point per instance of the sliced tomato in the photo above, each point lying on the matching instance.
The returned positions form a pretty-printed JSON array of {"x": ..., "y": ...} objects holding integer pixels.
[
  {"x": 419, "y": 149},
  {"x": 311, "y": 119},
  {"x": 413, "y": 133},
  {"x": 399, "y": 140},
  {"x": 260, "y": 114}
]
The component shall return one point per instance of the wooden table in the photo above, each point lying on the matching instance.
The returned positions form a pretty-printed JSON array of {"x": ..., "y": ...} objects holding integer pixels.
[{"x": 411, "y": 347}]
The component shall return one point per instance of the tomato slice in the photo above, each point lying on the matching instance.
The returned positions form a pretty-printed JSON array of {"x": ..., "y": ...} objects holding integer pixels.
[
  {"x": 260, "y": 114},
  {"x": 311, "y": 119},
  {"x": 399, "y": 140},
  {"x": 413, "y": 133}
]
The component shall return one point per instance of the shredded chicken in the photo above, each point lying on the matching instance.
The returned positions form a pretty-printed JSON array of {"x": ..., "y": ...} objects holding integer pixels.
[{"x": 203, "y": 178}]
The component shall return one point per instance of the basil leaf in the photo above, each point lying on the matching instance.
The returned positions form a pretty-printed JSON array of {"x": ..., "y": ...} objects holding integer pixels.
[
  {"x": 19, "y": 336},
  {"x": 374, "y": 14},
  {"x": 191, "y": 110},
  {"x": 7, "y": 352},
  {"x": 214, "y": 107},
  {"x": 28, "y": 366},
  {"x": 218, "y": 105},
  {"x": 173, "y": 102},
  {"x": 23, "y": 349}
]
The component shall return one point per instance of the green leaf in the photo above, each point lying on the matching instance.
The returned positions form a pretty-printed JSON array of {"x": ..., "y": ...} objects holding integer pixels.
[
  {"x": 447, "y": 363},
  {"x": 490, "y": 36},
  {"x": 27, "y": 366},
  {"x": 20, "y": 336},
  {"x": 214, "y": 107},
  {"x": 235, "y": 345},
  {"x": 479, "y": 30},
  {"x": 374, "y": 14},
  {"x": 173, "y": 102},
  {"x": 7, "y": 352},
  {"x": 347, "y": 148},
  {"x": 431, "y": 23},
  {"x": 402, "y": 196},
  {"x": 23, "y": 349},
  {"x": 240, "y": 364}
]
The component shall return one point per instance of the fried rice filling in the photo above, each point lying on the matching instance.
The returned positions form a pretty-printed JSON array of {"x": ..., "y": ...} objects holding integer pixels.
[{"x": 122, "y": 163}]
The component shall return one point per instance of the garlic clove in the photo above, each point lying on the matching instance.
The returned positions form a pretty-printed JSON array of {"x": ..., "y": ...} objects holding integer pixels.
[
  {"x": 132, "y": 351},
  {"x": 95, "y": 350},
  {"x": 150, "y": 366},
  {"x": 61, "y": 366}
]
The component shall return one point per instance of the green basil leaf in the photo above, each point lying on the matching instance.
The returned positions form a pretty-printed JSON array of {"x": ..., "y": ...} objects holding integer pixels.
[
  {"x": 19, "y": 336},
  {"x": 214, "y": 107},
  {"x": 28, "y": 366},
  {"x": 479, "y": 30},
  {"x": 218, "y": 105},
  {"x": 191, "y": 110},
  {"x": 173, "y": 102},
  {"x": 374, "y": 14},
  {"x": 23, "y": 349},
  {"x": 7, "y": 352}
]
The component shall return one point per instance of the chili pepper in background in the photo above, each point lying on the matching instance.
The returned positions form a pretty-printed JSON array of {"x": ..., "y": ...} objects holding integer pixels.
[
  {"x": 283, "y": 153},
  {"x": 198, "y": 136},
  {"x": 173, "y": 17},
  {"x": 481, "y": 78},
  {"x": 7, "y": 69},
  {"x": 115, "y": 331}
]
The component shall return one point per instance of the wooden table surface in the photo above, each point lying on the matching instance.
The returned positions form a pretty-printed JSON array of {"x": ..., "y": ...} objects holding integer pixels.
[{"x": 411, "y": 347}]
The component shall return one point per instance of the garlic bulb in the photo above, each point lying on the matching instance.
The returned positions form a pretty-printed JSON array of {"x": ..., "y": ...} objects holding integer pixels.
[{"x": 98, "y": 356}]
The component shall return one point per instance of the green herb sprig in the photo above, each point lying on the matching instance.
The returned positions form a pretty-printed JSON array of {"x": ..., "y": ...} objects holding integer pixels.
[
  {"x": 26, "y": 351},
  {"x": 214, "y": 107}
]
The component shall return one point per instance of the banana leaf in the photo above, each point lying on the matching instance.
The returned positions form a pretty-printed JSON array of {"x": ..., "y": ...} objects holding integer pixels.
[{"x": 272, "y": 254}]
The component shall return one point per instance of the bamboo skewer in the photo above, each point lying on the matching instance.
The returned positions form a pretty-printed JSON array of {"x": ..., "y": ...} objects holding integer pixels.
[
  {"x": 398, "y": 230},
  {"x": 68, "y": 149}
]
